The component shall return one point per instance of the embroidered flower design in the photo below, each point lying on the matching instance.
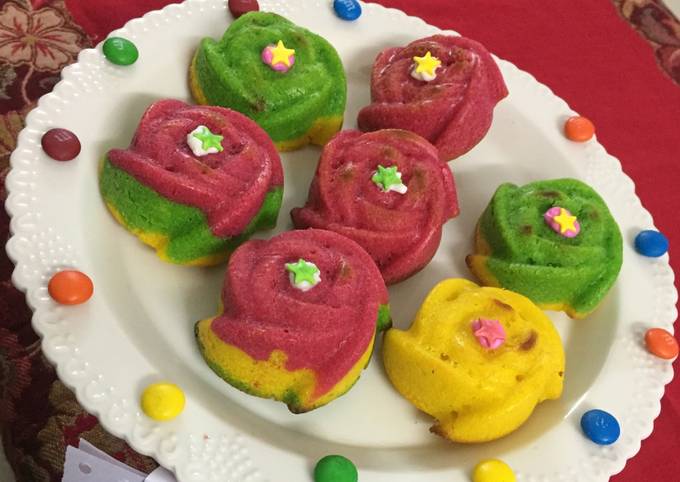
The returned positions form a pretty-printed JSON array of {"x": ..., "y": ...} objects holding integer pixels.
[{"x": 38, "y": 38}]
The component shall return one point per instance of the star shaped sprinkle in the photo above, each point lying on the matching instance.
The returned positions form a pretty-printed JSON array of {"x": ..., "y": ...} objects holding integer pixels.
[
  {"x": 208, "y": 143},
  {"x": 566, "y": 221},
  {"x": 389, "y": 179},
  {"x": 562, "y": 221},
  {"x": 489, "y": 333},
  {"x": 281, "y": 55},
  {"x": 426, "y": 67},
  {"x": 303, "y": 274}
]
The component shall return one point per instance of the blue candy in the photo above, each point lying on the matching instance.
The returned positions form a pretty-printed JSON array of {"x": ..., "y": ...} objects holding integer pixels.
[
  {"x": 347, "y": 9},
  {"x": 651, "y": 243},
  {"x": 600, "y": 427}
]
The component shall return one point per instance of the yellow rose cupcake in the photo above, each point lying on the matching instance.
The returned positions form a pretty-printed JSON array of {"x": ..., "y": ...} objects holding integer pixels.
[{"x": 477, "y": 359}]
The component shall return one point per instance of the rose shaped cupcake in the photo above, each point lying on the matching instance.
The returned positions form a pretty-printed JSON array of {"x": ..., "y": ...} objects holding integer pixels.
[
  {"x": 287, "y": 79},
  {"x": 301, "y": 313},
  {"x": 175, "y": 186},
  {"x": 553, "y": 241},
  {"x": 386, "y": 190},
  {"x": 443, "y": 88},
  {"x": 476, "y": 359}
]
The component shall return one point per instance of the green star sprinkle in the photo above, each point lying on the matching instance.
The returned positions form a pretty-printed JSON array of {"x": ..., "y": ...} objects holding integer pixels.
[
  {"x": 209, "y": 140},
  {"x": 388, "y": 179},
  {"x": 304, "y": 275}
]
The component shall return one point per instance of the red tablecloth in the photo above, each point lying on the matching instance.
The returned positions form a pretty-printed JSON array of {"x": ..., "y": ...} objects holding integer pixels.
[{"x": 583, "y": 49}]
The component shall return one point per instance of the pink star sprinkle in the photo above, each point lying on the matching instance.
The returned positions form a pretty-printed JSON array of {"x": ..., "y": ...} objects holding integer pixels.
[
  {"x": 268, "y": 58},
  {"x": 490, "y": 333},
  {"x": 562, "y": 222}
]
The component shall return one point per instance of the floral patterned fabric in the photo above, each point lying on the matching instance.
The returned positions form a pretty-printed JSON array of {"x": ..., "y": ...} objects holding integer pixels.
[
  {"x": 39, "y": 416},
  {"x": 658, "y": 25}
]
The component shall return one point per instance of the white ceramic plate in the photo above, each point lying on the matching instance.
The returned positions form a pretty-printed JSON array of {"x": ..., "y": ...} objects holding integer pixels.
[{"x": 138, "y": 327}]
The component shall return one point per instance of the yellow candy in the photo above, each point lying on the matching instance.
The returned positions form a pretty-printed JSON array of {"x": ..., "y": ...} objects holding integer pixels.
[
  {"x": 162, "y": 401},
  {"x": 476, "y": 394},
  {"x": 493, "y": 471}
]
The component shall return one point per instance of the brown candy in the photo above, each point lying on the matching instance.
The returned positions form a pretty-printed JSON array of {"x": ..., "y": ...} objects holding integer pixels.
[
  {"x": 60, "y": 144},
  {"x": 241, "y": 7}
]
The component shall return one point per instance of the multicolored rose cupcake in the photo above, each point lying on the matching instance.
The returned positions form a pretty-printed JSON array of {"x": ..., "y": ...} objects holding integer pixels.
[
  {"x": 553, "y": 241},
  {"x": 300, "y": 319},
  {"x": 175, "y": 186},
  {"x": 386, "y": 190},
  {"x": 286, "y": 78},
  {"x": 443, "y": 88},
  {"x": 478, "y": 360}
]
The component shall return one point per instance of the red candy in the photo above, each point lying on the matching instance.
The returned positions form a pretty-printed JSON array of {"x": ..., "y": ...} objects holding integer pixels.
[
  {"x": 661, "y": 343},
  {"x": 60, "y": 144},
  {"x": 70, "y": 287},
  {"x": 241, "y": 7}
]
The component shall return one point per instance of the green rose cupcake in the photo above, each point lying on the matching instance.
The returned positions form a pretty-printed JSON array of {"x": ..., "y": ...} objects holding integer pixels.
[
  {"x": 284, "y": 77},
  {"x": 553, "y": 241}
]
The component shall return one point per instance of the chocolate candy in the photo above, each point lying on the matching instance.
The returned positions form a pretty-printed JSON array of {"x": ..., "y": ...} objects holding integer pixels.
[
  {"x": 600, "y": 427},
  {"x": 60, "y": 144},
  {"x": 579, "y": 129},
  {"x": 335, "y": 468},
  {"x": 661, "y": 343},
  {"x": 70, "y": 287},
  {"x": 493, "y": 470},
  {"x": 651, "y": 243},
  {"x": 241, "y": 7},
  {"x": 163, "y": 401},
  {"x": 120, "y": 51},
  {"x": 347, "y": 9}
]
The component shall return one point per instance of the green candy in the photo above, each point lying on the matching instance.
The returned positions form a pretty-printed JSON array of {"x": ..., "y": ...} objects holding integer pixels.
[
  {"x": 120, "y": 51},
  {"x": 335, "y": 468}
]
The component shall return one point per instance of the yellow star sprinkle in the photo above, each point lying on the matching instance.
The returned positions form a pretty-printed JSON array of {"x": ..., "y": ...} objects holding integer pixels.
[
  {"x": 427, "y": 65},
  {"x": 565, "y": 221},
  {"x": 281, "y": 55}
]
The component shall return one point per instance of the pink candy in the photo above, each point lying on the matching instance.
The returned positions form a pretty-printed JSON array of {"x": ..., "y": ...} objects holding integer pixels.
[
  {"x": 268, "y": 56},
  {"x": 555, "y": 216},
  {"x": 489, "y": 333}
]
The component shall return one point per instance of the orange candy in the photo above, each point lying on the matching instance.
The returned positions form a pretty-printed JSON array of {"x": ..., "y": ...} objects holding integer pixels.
[
  {"x": 579, "y": 129},
  {"x": 661, "y": 343},
  {"x": 70, "y": 287}
]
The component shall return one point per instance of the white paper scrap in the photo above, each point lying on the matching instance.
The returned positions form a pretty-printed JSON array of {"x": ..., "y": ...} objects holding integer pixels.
[
  {"x": 87, "y": 447},
  {"x": 161, "y": 475},
  {"x": 89, "y": 464}
]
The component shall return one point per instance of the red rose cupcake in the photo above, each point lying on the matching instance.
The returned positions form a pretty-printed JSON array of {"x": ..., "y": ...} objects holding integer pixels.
[
  {"x": 443, "y": 88},
  {"x": 386, "y": 190},
  {"x": 301, "y": 314},
  {"x": 174, "y": 187}
]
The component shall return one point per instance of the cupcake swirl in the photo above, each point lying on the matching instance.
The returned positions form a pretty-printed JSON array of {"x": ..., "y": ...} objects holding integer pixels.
[
  {"x": 303, "y": 347},
  {"x": 164, "y": 173},
  {"x": 400, "y": 230},
  {"x": 453, "y": 110},
  {"x": 567, "y": 266},
  {"x": 295, "y": 104}
]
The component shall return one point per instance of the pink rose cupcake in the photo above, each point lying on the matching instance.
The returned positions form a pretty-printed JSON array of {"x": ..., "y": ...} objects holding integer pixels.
[
  {"x": 443, "y": 88},
  {"x": 386, "y": 190}
]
